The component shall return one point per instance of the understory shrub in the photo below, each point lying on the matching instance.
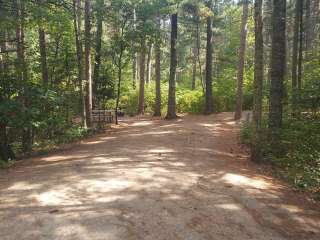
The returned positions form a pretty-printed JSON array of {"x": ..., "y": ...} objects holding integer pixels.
[
  {"x": 189, "y": 101},
  {"x": 299, "y": 161}
]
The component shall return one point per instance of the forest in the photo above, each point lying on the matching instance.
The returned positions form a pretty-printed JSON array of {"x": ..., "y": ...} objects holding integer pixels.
[{"x": 258, "y": 61}]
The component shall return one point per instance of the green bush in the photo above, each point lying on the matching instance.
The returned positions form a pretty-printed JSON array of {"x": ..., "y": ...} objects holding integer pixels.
[
  {"x": 73, "y": 134},
  {"x": 130, "y": 99},
  {"x": 189, "y": 101},
  {"x": 301, "y": 140},
  {"x": 299, "y": 161}
]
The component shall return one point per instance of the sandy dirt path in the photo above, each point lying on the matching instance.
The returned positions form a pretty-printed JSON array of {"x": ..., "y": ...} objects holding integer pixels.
[{"x": 153, "y": 180}]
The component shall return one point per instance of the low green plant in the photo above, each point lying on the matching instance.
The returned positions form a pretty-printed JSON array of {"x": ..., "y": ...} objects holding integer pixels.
[
  {"x": 189, "y": 101},
  {"x": 299, "y": 145}
]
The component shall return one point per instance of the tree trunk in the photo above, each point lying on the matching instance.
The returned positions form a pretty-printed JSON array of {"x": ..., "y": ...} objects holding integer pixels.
[
  {"x": 43, "y": 52},
  {"x": 301, "y": 33},
  {"x": 267, "y": 28},
  {"x": 278, "y": 64},
  {"x": 267, "y": 21},
  {"x": 209, "y": 52},
  {"x": 119, "y": 85},
  {"x": 242, "y": 52},
  {"x": 149, "y": 64},
  {"x": 201, "y": 72},
  {"x": 258, "y": 83},
  {"x": 97, "y": 58},
  {"x": 77, "y": 30},
  {"x": 134, "y": 54},
  {"x": 22, "y": 72},
  {"x": 43, "y": 57},
  {"x": 53, "y": 78},
  {"x": 157, "y": 109},
  {"x": 309, "y": 34},
  {"x": 295, "y": 46},
  {"x": 142, "y": 75},
  {"x": 171, "y": 114},
  {"x": 5, "y": 150},
  {"x": 314, "y": 20},
  {"x": 196, "y": 55},
  {"x": 194, "y": 70},
  {"x": 88, "y": 61},
  {"x": 3, "y": 143}
]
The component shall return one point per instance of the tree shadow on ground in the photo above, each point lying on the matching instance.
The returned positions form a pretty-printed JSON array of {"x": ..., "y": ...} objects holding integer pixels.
[{"x": 183, "y": 179}]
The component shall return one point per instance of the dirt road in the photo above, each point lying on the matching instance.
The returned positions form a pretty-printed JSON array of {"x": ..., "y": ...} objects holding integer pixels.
[{"x": 153, "y": 180}]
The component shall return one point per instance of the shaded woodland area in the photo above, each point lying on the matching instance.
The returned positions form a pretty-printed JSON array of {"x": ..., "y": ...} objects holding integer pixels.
[{"x": 61, "y": 59}]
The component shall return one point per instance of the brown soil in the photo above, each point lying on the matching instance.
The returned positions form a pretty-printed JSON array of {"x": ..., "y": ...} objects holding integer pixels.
[{"x": 152, "y": 179}]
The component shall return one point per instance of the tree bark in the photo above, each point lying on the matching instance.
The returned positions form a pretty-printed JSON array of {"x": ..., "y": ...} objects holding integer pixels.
[
  {"x": 278, "y": 64},
  {"x": 196, "y": 53},
  {"x": 80, "y": 77},
  {"x": 119, "y": 85},
  {"x": 267, "y": 21},
  {"x": 134, "y": 54},
  {"x": 157, "y": 109},
  {"x": 315, "y": 12},
  {"x": 209, "y": 52},
  {"x": 22, "y": 72},
  {"x": 257, "y": 83},
  {"x": 88, "y": 61},
  {"x": 194, "y": 70},
  {"x": 53, "y": 77},
  {"x": 267, "y": 28},
  {"x": 295, "y": 46},
  {"x": 97, "y": 58},
  {"x": 242, "y": 52},
  {"x": 6, "y": 152},
  {"x": 43, "y": 57},
  {"x": 309, "y": 34},
  {"x": 171, "y": 114},
  {"x": 149, "y": 65},
  {"x": 142, "y": 76},
  {"x": 301, "y": 41},
  {"x": 43, "y": 52}
]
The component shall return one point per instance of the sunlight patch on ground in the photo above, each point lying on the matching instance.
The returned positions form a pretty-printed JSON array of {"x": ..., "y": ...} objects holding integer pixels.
[
  {"x": 240, "y": 180},
  {"x": 114, "y": 197},
  {"x": 161, "y": 150},
  {"x": 56, "y": 197},
  {"x": 69, "y": 195},
  {"x": 230, "y": 123},
  {"x": 290, "y": 208},
  {"x": 107, "y": 138},
  {"x": 228, "y": 206},
  {"x": 105, "y": 186},
  {"x": 209, "y": 124},
  {"x": 107, "y": 159},
  {"x": 56, "y": 158},
  {"x": 101, "y": 140},
  {"x": 159, "y": 132},
  {"x": 93, "y": 142},
  {"x": 22, "y": 186},
  {"x": 142, "y": 123},
  {"x": 75, "y": 231},
  {"x": 150, "y": 133}
]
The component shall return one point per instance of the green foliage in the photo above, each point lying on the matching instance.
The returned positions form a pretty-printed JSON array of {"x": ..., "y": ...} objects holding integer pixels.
[
  {"x": 4, "y": 165},
  {"x": 299, "y": 161},
  {"x": 74, "y": 133},
  {"x": 129, "y": 100},
  {"x": 301, "y": 141},
  {"x": 246, "y": 133},
  {"x": 189, "y": 101}
]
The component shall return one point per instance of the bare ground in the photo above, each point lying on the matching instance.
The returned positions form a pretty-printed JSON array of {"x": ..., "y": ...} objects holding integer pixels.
[{"x": 153, "y": 180}]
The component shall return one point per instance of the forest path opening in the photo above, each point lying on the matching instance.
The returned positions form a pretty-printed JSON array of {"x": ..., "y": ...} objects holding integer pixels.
[{"x": 153, "y": 179}]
